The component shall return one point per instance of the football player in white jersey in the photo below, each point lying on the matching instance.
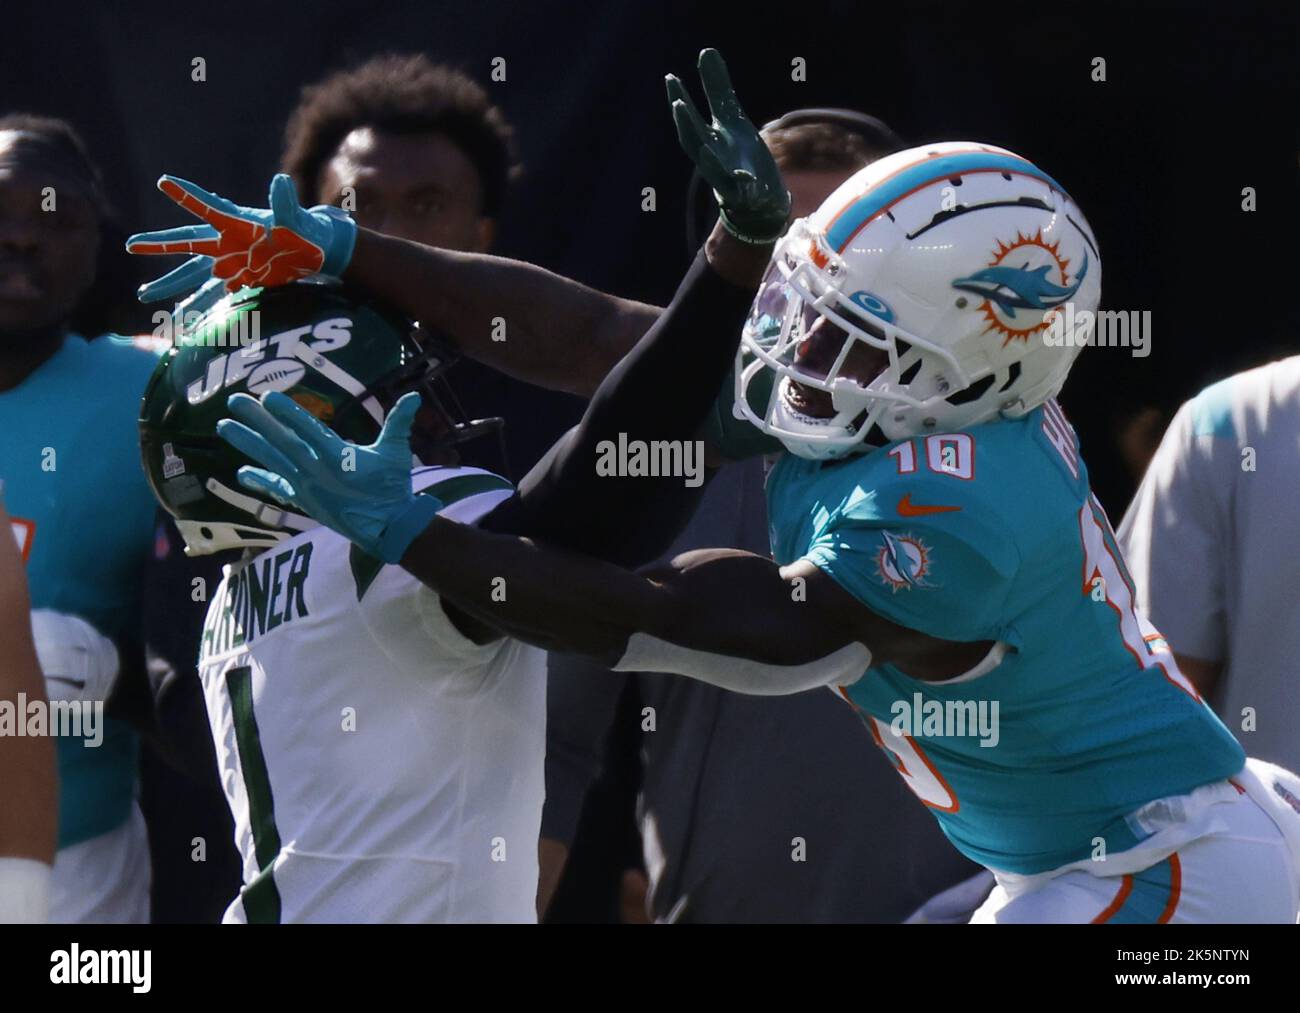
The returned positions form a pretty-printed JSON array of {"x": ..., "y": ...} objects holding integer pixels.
[
  {"x": 343, "y": 702},
  {"x": 382, "y": 752}
]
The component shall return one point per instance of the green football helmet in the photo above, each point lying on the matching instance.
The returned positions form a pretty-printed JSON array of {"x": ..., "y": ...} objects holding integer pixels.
[{"x": 345, "y": 361}]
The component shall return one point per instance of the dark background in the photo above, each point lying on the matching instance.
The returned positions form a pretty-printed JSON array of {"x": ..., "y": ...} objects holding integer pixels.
[{"x": 1199, "y": 102}]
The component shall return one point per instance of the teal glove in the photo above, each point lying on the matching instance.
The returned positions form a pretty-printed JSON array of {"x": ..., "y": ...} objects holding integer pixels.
[
  {"x": 363, "y": 493},
  {"x": 731, "y": 156},
  {"x": 246, "y": 246}
]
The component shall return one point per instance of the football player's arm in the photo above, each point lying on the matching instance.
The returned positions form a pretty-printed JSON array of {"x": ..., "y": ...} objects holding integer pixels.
[
  {"x": 554, "y": 332},
  {"x": 723, "y": 616},
  {"x": 28, "y": 782},
  {"x": 711, "y": 611},
  {"x": 526, "y": 321},
  {"x": 252, "y": 246},
  {"x": 658, "y": 394}
]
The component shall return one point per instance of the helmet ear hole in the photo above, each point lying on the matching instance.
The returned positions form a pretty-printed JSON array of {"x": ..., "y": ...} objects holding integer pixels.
[
  {"x": 972, "y": 393},
  {"x": 909, "y": 374}
]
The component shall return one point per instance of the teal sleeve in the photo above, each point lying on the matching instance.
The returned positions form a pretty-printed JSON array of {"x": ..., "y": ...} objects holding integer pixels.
[{"x": 946, "y": 576}]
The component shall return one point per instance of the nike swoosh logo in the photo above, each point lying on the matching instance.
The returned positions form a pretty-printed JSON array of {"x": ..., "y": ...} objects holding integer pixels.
[
  {"x": 906, "y": 508},
  {"x": 74, "y": 683}
]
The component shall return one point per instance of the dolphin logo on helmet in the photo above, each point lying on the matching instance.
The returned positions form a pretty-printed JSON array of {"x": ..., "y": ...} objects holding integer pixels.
[
  {"x": 858, "y": 339},
  {"x": 1015, "y": 288}
]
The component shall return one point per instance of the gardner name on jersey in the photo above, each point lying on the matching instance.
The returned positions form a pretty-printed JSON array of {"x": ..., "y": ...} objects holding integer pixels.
[{"x": 258, "y": 597}]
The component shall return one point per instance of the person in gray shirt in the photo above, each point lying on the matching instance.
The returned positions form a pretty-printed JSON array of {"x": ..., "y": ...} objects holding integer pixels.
[{"x": 1213, "y": 542}]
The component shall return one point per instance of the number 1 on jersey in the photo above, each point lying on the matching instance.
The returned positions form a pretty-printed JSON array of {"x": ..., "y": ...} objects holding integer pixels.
[{"x": 1105, "y": 578}]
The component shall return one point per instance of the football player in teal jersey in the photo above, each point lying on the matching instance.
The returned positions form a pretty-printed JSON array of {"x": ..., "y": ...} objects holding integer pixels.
[
  {"x": 938, "y": 558},
  {"x": 78, "y": 501}
]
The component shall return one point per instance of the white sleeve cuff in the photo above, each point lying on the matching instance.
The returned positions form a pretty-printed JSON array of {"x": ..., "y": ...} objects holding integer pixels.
[{"x": 650, "y": 654}]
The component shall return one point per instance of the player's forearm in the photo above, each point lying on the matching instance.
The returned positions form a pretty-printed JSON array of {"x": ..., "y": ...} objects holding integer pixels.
[
  {"x": 546, "y": 596},
  {"x": 693, "y": 618},
  {"x": 739, "y": 263},
  {"x": 516, "y": 317},
  {"x": 28, "y": 803},
  {"x": 658, "y": 396},
  {"x": 28, "y": 789},
  {"x": 29, "y": 784},
  {"x": 28, "y": 807}
]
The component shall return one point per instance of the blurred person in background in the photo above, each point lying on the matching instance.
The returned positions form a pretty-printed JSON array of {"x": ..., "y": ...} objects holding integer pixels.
[
  {"x": 28, "y": 786},
  {"x": 416, "y": 150},
  {"x": 74, "y": 486},
  {"x": 1211, "y": 541},
  {"x": 408, "y": 147}
]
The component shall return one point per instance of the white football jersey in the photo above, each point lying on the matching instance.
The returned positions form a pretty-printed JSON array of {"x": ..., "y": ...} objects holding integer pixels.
[{"x": 380, "y": 766}]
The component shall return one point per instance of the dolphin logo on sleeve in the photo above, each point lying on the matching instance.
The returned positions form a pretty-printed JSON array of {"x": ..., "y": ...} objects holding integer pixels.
[{"x": 903, "y": 561}]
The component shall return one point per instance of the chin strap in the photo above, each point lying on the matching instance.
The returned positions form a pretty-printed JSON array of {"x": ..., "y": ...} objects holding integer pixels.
[
  {"x": 337, "y": 375},
  {"x": 263, "y": 513}
]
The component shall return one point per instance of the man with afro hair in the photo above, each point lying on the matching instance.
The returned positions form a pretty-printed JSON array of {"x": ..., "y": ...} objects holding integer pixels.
[{"x": 409, "y": 147}]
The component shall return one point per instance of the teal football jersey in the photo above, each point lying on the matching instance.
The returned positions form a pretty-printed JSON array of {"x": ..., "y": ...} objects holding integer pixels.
[
  {"x": 84, "y": 517},
  {"x": 1035, "y": 759}
]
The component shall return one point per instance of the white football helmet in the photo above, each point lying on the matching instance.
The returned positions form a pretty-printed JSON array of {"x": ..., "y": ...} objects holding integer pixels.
[{"x": 949, "y": 261}]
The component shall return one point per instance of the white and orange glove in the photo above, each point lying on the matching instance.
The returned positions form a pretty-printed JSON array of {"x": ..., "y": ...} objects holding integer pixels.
[{"x": 246, "y": 246}]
